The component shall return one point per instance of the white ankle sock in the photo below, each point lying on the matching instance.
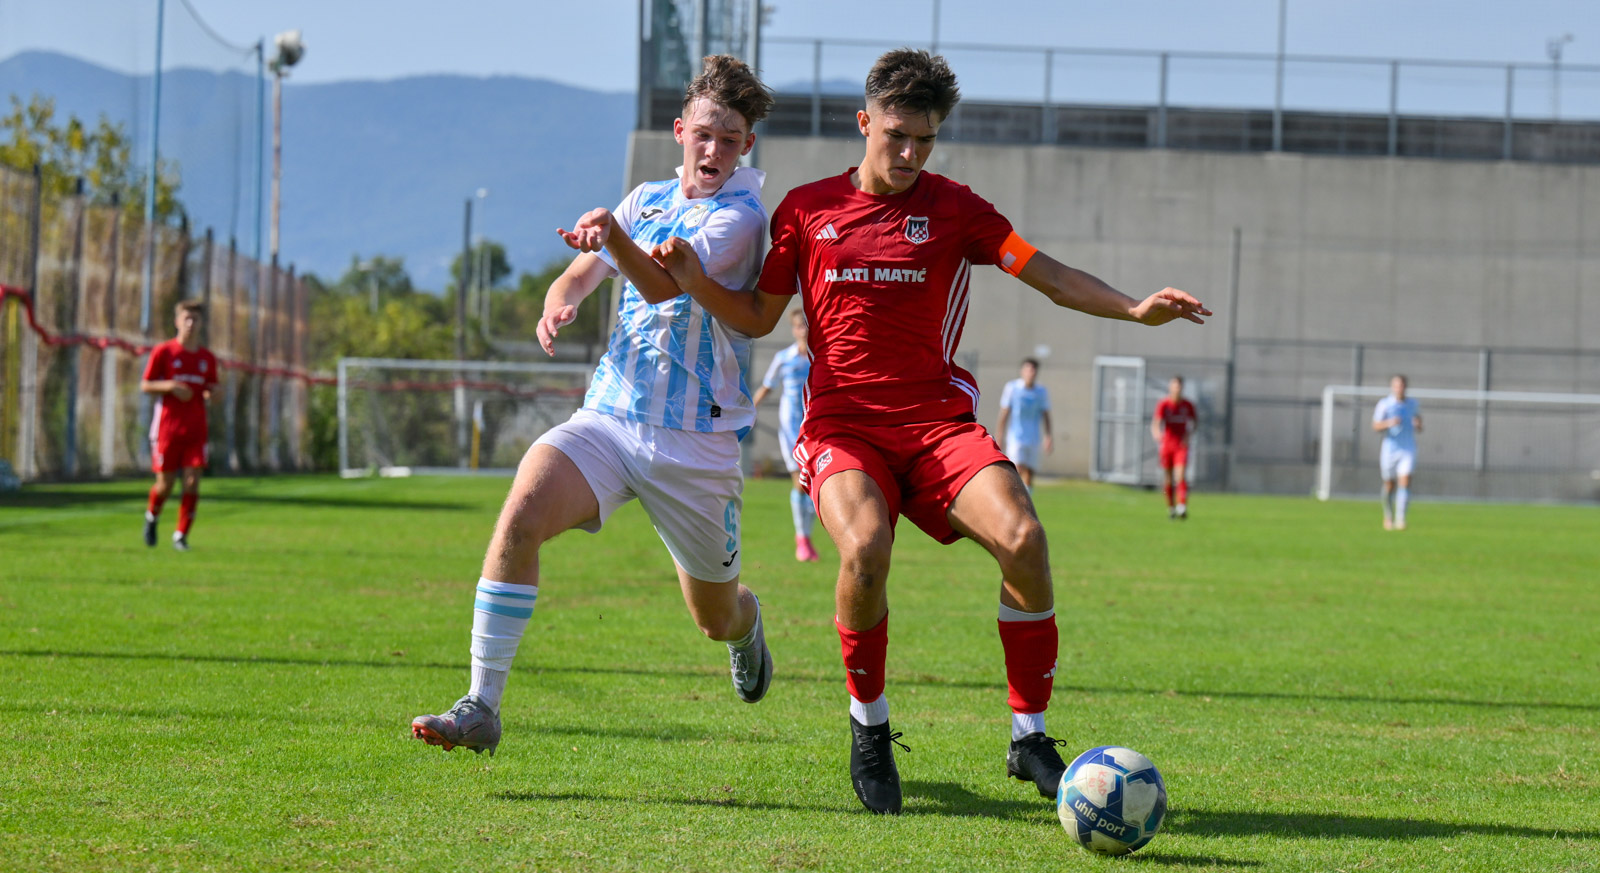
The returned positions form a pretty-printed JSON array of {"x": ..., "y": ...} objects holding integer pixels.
[
  {"x": 488, "y": 685},
  {"x": 869, "y": 714},
  {"x": 1024, "y": 723},
  {"x": 499, "y": 616}
]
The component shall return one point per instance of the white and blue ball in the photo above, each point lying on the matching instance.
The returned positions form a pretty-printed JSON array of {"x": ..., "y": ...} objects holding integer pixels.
[{"x": 1111, "y": 800}]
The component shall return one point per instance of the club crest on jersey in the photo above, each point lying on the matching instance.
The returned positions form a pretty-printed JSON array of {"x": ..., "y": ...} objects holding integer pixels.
[
  {"x": 917, "y": 230},
  {"x": 823, "y": 460},
  {"x": 696, "y": 215}
]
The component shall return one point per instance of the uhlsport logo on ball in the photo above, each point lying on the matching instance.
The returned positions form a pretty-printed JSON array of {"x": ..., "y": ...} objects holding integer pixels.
[{"x": 1111, "y": 800}]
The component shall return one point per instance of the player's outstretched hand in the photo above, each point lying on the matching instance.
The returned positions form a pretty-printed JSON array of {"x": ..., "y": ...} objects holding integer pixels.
[
  {"x": 1167, "y": 305},
  {"x": 551, "y": 324},
  {"x": 182, "y": 391},
  {"x": 679, "y": 259},
  {"x": 591, "y": 231}
]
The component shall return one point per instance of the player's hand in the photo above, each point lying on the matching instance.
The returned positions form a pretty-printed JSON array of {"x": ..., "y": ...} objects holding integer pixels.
[
  {"x": 591, "y": 231},
  {"x": 680, "y": 260},
  {"x": 551, "y": 324},
  {"x": 181, "y": 391},
  {"x": 1049, "y": 444},
  {"x": 1167, "y": 305}
]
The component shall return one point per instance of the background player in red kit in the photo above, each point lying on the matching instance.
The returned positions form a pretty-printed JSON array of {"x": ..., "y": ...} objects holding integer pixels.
[
  {"x": 1173, "y": 422},
  {"x": 882, "y": 255},
  {"x": 180, "y": 375}
]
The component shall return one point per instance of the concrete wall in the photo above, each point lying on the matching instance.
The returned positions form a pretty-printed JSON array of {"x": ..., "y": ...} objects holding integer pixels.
[{"x": 1493, "y": 254}]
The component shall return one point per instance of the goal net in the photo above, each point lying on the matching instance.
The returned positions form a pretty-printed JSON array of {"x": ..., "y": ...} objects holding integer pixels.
[
  {"x": 1485, "y": 445},
  {"x": 400, "y": 417}
]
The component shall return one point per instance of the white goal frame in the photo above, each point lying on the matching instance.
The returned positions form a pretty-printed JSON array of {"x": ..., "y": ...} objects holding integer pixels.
[
  {"x": 458, "y": 370},
  {"x": 1483, "y": 398}
]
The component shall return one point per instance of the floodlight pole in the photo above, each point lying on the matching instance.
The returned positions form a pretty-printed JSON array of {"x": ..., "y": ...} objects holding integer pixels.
[
  {"x": 150, "y": 183},
  {"x": 1277, "y": 101},
  {"x": 261, "y": 114},
  {"x": 461, "y": 335}
]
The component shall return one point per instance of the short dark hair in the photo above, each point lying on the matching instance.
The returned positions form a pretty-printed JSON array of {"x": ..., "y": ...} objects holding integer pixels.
[
  {"x": 1177, "y": 378},
  {"x": 1031, "y": 362},
  {"x": 913, "y": 80},
  {"x": 195, "y": 306},
  {"x": 1401, "y": 377},
  {"x": 728, "y": 81}
]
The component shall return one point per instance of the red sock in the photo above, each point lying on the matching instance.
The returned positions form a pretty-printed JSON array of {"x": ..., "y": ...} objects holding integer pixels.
[
  {"x": 1169, "y": 493},
  {"x": 186, "y": 510},
  {"x": 1031, "y": 648},
  {"x": 156, "y": 500},
  {"x": 864, "y": 655},
  {"x": 1183, "y": 492}
]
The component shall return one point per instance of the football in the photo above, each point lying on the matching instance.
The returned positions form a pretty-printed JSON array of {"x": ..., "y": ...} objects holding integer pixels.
[{"x": 1111, "y": 800}]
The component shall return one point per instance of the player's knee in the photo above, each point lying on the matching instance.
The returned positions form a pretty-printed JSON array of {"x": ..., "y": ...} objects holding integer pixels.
[
  {"x": 527, "y": 522},
  {"x": 1023, "y": 540},
  {"x": 864, "y": 556}
]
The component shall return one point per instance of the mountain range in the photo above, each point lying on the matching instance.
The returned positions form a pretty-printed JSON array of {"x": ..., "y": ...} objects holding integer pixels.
[{"x": 369, "y": 167}]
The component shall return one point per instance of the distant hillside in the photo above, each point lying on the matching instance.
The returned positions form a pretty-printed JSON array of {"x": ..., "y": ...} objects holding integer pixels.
[{"x": 373, "y": 167}]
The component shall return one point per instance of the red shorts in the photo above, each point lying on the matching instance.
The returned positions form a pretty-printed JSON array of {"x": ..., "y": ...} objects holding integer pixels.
[
  {"x": 919, "y": 467},
  {"x": 171, "y": 454},
  {"x": 1174, "y": 453}
]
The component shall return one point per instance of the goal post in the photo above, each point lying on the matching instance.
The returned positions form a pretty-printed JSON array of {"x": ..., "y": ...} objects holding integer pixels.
[
  {"x": 1550, "y": 439},
  {"x": 401, "y": 416}
]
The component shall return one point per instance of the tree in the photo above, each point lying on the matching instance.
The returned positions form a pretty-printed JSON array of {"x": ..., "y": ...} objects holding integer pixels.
[
  {"x": 485, "y": 252},
  {"x": 102, "y": 156}
]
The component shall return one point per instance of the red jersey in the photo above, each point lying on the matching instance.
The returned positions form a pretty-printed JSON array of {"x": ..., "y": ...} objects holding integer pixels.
[
  {"x": 1176, "y": 419},
  {"x": 174, "y": 418},
  {"x": 885, "y": 280}
]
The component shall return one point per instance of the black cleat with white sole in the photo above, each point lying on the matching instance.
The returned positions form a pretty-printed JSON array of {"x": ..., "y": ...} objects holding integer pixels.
[{"x": 872, "y": 770}]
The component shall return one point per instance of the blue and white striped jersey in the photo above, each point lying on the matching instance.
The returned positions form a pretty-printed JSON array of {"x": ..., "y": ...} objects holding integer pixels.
[
  {"x": 1027, "y": 406},
  {"x": 790, "y": 367},
  {"x": 1402, "y": 436},
  {"x": 671, "y": 364}
]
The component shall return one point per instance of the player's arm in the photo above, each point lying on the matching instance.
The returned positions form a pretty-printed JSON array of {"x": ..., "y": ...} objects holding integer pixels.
[
  {"x": 760, "y": 395},
  {"x": 597, "y": 229},
  {"x": 1416, "y": 422},
  {"x": 1382, "y": 424},
  {"x": 753, "y": 313},
  {"x": 576, "y": 282},
  {"x": 1044, "y": 428},
  {"x": 156, "y": 366},
  {"x": 1156, "y": 424},
  {"x": 1005, "y": 418},
  {"x": 1075, "y": 289}
]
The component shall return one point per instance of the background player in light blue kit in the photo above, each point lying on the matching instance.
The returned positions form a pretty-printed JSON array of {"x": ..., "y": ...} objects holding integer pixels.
[
  {"x": 1396, "y": 417},
  {"x": 790, "y": 368},
  {"x": 1025, "y": 421}
]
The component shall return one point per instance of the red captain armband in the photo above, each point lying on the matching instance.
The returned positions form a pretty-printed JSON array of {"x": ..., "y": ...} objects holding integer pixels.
[{"x": 1015, "y": 253}]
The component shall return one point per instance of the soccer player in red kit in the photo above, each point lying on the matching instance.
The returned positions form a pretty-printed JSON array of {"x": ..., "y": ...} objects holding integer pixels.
[
  {"x": 1173, "y": 422},
  {"x": 180, "y": 374},
  {"x": 882, "y": 256}
]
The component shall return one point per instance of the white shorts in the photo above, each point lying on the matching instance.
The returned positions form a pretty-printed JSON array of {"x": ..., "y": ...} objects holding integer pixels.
[
  {"x": 689, "y": 483},
  {"x": 1394, "y": 463},
  {"x": 1023, "y": 454},
  {"x": 786, "y": 441}
]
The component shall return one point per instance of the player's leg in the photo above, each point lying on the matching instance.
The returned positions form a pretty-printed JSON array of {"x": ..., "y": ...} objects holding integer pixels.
[
  {"x": 1179, "y": 474},
  {"x": 1386, "y": 468},
  {"x": 186, "y": 507},
  {"x": 801, "y": 509},
  {"x": 159, "y": 492},
  {"x": 1402, "y": 493},
  {"x": 859, "y": 518},
  {"x": 1164, "y": 457},
  {"x": 728, "y": 612},
  {"x": 549, "y": 495},
  {"x": 994, "y": 510}
]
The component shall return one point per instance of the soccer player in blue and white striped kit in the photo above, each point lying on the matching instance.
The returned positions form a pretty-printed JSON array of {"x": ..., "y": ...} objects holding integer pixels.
[
  {"x": 663, "y": 415},
  {"x": 790, "y": 368},
  {"x": 1396, "y": 417}
]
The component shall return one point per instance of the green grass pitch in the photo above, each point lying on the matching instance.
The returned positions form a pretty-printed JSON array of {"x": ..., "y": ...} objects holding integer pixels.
[{"x": 1319, "y": 695}]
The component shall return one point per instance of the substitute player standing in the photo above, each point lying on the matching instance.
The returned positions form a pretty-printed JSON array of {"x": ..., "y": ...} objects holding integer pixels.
[
  {"x": 1396, "y": 417},
  {"x": 180, "y": 373},
  {"x": 1171, "y": 427},
  {"x": 663, "y": 415},
  {"x": 882, "y": 255},
  {"x": 1025, "y": 421},
  {"x": 789, "y": 370}
]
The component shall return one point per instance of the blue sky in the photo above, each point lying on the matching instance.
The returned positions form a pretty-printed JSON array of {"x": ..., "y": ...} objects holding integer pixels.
[{"x": 592, "y": 43}]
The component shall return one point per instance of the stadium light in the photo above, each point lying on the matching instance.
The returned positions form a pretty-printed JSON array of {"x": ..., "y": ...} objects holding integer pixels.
[{"x": 291, "y": 48}]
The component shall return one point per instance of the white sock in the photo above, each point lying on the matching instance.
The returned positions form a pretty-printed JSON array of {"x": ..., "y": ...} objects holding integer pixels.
[
  {"x": 1388, "y": 505},
  {"x": 488, "y": 685},
  {"x": 149, "y": 516},
  {"x": 1024, "y": 723},
  {"x": 1402, "y": 496},
  {"x": 797, "y": 511},
  {"x": 499, "y": 616},
  {"x": 749, "y": 638},
  {"x": 869, "y": 714}
]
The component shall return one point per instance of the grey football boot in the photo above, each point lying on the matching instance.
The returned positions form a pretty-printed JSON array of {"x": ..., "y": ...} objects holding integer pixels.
[
  {"x": 752, "y": 665},
  {"x": 469, "y": 724}
]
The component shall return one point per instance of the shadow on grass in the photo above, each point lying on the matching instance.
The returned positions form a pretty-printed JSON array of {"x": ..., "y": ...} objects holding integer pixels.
[
  {"x": 66, "y": 497},
  {"x": 657, "y": 732},
  {"x": 1165, "y": 859},
  {"x": 1226, "y": 823},
  {"x": 947, "y": 799},
  {"x": 825, "y": 678}
]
